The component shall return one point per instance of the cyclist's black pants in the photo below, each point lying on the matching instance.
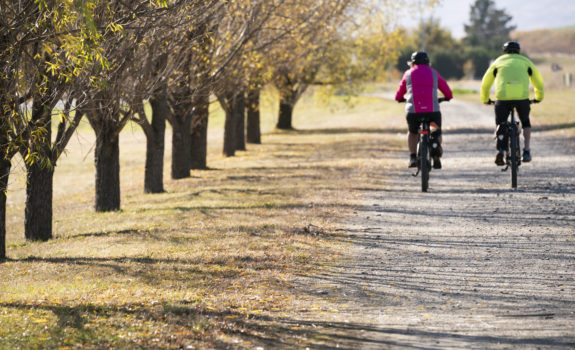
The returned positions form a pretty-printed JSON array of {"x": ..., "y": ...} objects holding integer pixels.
[
  {"x": 503, "y": 108},
  {"x": 414, "y": 120}
]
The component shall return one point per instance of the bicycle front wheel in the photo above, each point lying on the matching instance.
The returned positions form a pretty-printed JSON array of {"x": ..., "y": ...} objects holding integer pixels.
[{"x": 424, "y": 162}]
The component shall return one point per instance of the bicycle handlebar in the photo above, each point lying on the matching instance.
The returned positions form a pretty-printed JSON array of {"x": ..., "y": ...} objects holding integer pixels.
[
  {"x": 441, "y": 99},
  {"x": 490, "y": 102}
]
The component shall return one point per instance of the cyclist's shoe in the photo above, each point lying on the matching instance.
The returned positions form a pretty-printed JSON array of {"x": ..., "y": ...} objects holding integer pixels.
[
  {"x": 412, "y": 161},
  {"x": 499, "y": 159},
  {"x": 436, "y": 163},
  {"x": 526, "y": 156}
]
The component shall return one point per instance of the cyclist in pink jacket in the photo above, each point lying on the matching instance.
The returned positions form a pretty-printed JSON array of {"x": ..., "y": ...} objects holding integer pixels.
[{"x": 418, "y": 89}]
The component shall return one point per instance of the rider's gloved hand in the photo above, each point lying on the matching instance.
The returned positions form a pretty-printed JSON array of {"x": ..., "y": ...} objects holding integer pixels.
[
  {"x": 535, "y": 101},
  {"x": 489, "y": 102},
  {"x": 402, "y": 100}
]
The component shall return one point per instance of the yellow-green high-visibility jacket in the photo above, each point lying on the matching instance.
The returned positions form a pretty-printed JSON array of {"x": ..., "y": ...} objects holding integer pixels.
[{"x": 512, "y": 74}]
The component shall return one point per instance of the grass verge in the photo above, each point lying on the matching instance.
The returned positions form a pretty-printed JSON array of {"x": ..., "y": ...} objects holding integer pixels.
[
  {"x": 209, "y": 263},
  {"x": 554, "y": 114}
]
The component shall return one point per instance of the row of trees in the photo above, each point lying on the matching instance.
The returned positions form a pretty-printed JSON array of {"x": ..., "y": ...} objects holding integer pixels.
[
  {"x": 64, "y": 61},
  {"x": 488, "y": 28}
]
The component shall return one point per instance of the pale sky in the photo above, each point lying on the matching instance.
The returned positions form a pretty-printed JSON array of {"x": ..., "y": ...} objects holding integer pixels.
[{"x": 527, "y": 14}]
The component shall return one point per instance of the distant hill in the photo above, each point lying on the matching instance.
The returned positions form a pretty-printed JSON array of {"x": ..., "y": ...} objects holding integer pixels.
[{"x": 561, "y": 41}]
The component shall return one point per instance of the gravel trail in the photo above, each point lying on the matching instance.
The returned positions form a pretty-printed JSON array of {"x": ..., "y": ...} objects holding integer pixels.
[{"x": 470, "y": 264}]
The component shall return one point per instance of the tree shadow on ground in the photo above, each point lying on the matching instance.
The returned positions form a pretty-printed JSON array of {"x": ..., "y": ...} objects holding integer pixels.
[{"x": 248, "y": 331}]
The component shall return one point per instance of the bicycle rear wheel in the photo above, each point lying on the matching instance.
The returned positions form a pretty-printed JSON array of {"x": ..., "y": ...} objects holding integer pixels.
[
  {"x": 514, "y": 155},
  {"x": 424, "y": 162}
]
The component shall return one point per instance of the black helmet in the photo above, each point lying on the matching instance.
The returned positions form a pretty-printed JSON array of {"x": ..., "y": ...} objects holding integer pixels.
[
  {"x": 511, "y": 47},
  {"x": 420, "y": 57}
]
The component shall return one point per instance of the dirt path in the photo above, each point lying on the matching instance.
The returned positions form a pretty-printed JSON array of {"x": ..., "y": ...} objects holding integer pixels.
[{"x": 471, "y": 263}]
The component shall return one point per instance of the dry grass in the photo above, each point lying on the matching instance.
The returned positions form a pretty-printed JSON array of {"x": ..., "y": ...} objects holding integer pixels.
[
  {"x": 209, "y": 263},
  {"x": 555, "y": 79},
  {"x": 554, "y": 114},
  {"x": 547, "y": 40},
  {"x": 194, "y": 266}
]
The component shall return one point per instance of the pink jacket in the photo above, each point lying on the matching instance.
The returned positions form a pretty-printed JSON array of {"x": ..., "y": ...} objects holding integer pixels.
[{"x": 419, "y": 88}]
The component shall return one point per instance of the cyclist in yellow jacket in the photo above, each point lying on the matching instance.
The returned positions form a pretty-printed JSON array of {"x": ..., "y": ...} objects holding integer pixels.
[{"x": 511, "y": 74}]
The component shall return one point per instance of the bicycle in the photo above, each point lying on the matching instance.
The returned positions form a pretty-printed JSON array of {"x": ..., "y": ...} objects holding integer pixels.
[
  {"x": 511, "y": 144},
  {"x": 424, "y": 149}
]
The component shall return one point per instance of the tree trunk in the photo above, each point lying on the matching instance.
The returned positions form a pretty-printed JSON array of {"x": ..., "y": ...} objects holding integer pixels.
[
  {"x": 199, "y": 132},
  {"x": 39, "y": 177},
  {"x": 5, "y": 166},
  {"x": 154, "y": 173},
  {"x": 230, "y": 131},
  {"x": 107, "y": 162},
  {"x": 239, "y": 110},
  {"x": 287, "y": 102},
  {"x": 229, "y": 135},
  {"x": 38, "y": 212},
  {"x": 253, "y": 117},
  {"x": 181, "y": 148}
]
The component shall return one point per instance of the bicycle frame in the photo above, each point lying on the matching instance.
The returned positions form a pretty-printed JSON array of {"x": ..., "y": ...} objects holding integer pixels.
[
  {"x": 424, "y": 149},
  {"x": 423, "y": 153},
  {"x": 513, "y": 148}
]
